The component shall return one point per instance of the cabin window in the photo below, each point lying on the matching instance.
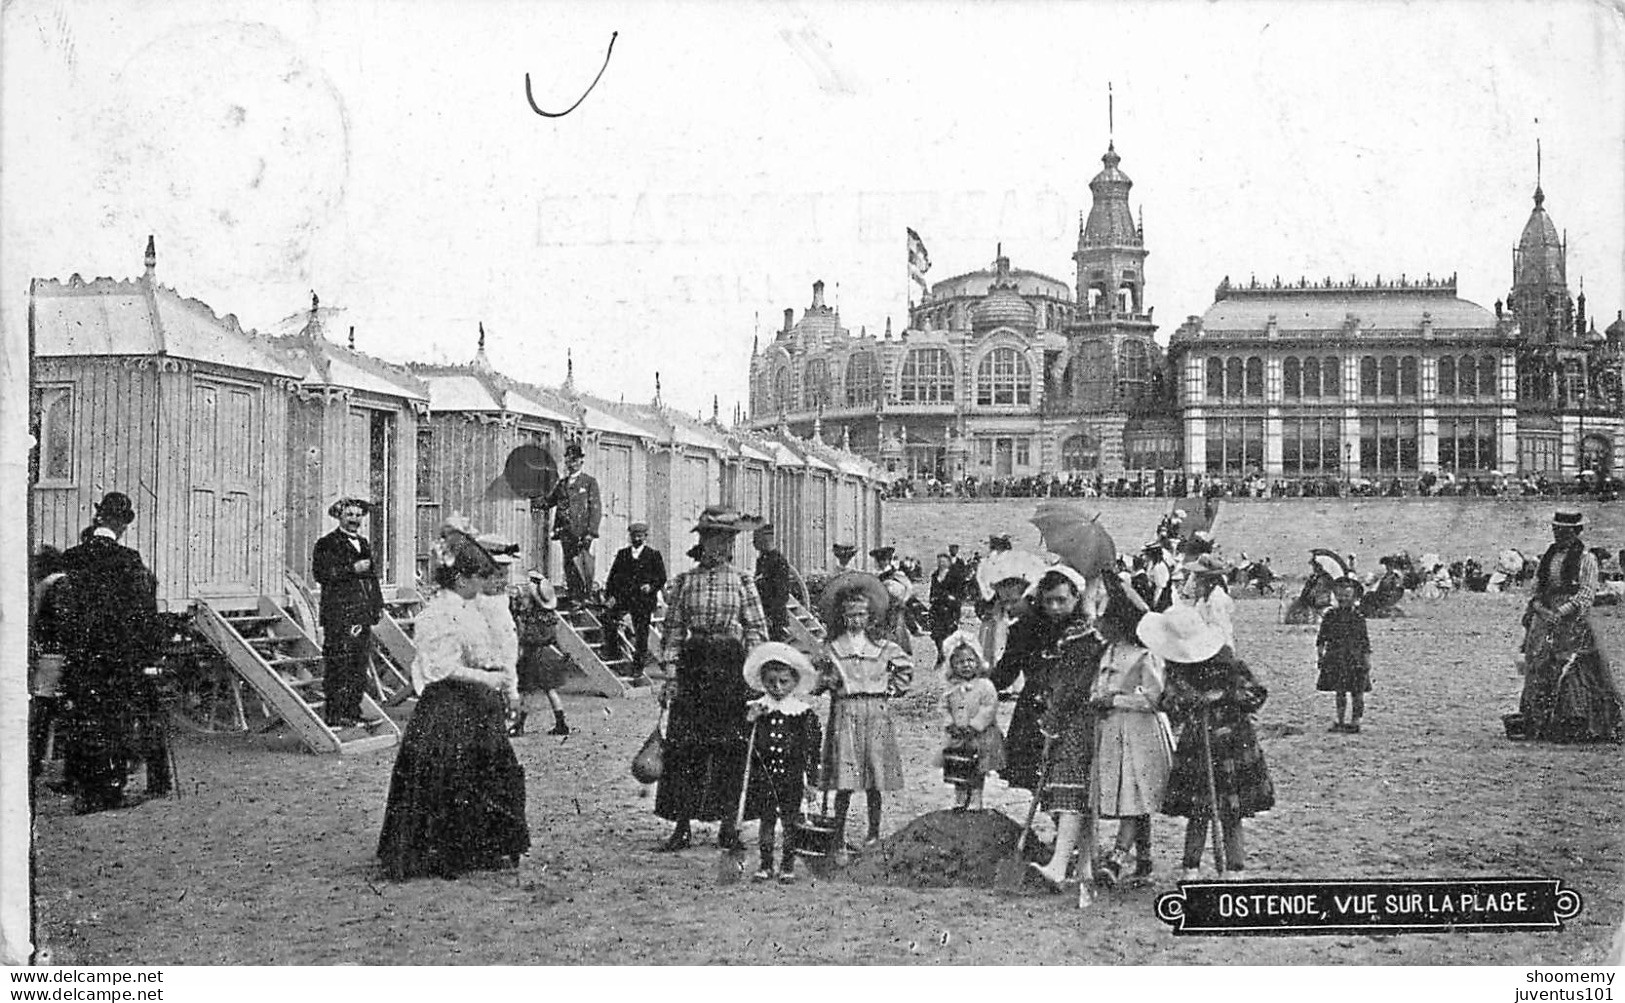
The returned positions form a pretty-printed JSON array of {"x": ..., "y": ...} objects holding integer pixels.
[
  {"x": 426, "y": 464},
  {"x": 55, "y": 436}
]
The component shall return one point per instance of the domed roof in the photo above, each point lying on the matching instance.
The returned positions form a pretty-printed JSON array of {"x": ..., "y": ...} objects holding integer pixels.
[
  {"x": 1003, "y": 305},
  {"x": 1110, "y": 222},
  {"x": 1540, "y": 249}
]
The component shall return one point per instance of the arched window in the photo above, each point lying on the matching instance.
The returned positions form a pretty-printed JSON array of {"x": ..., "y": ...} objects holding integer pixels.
[
  {"x": 862, "y": 379},
  {"x": 1407, "y": 376},
  {"x": 1368, "y": 376},
  {"x": 1136, "y": 363},
  {"x": 1388, "y": 377},
  {"x": 1311, "y": 377},
  {"x": 1003, "y": 377},
  {"x": 1215, "y": 378},
  {"x": 1232, "y": 377},
  {"x": 1486, "y": 376},
  {"x": 815, "y": 385},
  {"x": 1255, "y": 377},
  {"x": 781, "y": 390},
  {"x": 1447, "y": 376},
  {"x": 1467, "y": 377},
  {"x": 1331, "y": 376},
  {"x": 1574, "y": 382},
  {"x": 1292, "y": 377},
  {"x": 927, "y": 377},
  {"x": 1080, "y": 452}
]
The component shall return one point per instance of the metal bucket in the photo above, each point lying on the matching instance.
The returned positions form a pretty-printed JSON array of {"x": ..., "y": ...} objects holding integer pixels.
[
  {"x": 814, "y": 836},
  {"x": 1517, "y": 727},
  {"x": 959, "y": 766},
  {"x": 47, "y": 676}
]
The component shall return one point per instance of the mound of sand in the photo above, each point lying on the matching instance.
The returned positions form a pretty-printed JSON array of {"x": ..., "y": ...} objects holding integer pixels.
[{"x": 944, "y": 849}]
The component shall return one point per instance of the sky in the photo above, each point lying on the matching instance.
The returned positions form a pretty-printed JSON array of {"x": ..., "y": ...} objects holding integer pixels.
[{"x": 383, "y": 154}]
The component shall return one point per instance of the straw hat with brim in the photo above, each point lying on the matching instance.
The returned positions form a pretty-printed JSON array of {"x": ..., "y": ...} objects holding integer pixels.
[
  {"x": 724, "y": 519},
  {"x": 1208, "y": 564},
  {"x": 844, "y": 550},
  {"x": 1569, "y": 520},
  {"x": 772, "y": 652},
  {"x": 1180, "y": 635},
  {"x": 363, "y": 504},
  {"x": 548, "y": 595},
  {"x": 871, "y": 588}
]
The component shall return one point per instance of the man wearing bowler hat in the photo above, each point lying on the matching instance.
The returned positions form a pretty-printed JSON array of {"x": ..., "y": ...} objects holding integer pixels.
[
  {"x": 352, "y": 602},
  {"x": 575, "y": 525},
  {"x": 110, "y": 635},
  {"x": 635, "y": 580}
]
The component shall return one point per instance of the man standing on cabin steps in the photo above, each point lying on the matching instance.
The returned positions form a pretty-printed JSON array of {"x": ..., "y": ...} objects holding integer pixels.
[
  {"x": 575, "y": 525},
  {"x": 352, "y": 601},
  {"x": 635, "y": 581}
]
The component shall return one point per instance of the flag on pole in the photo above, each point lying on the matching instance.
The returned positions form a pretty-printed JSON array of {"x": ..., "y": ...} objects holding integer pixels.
[{"x": 919, "y": 262}]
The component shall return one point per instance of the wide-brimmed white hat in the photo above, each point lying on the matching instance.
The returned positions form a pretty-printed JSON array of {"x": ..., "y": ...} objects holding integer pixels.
[
  {"x": 777, "y": 651},
  {"x": 1180, "y": 635}
]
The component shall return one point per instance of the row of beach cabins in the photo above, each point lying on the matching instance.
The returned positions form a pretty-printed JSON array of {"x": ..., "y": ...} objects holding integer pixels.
[{"x": 233, "y": 444}]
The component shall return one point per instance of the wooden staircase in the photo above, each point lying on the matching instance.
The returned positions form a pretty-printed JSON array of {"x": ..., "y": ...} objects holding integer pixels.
[
  {"x": 806, "y": 632},
  {"x": 284, "y": 666},
  {"x": 393, "y": 649},
  {"x": 581, "y": 637}
]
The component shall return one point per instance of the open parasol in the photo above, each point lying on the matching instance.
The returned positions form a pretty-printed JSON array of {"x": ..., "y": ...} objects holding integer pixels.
[
  {"x": 1329, "y": 562},
  {"x": 1076, "y": 537}
]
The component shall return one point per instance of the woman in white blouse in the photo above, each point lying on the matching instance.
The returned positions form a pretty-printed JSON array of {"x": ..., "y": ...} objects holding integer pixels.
[{"x": 457, "y": 794}]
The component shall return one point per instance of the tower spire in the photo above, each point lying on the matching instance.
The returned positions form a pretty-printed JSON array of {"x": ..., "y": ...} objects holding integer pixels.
[
  {"x": 1540, "y": 196},
  {"x": 1111, "y": 123}
]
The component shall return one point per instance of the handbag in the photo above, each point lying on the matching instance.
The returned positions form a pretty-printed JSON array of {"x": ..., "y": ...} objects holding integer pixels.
[{"x": 650, "y": 760}]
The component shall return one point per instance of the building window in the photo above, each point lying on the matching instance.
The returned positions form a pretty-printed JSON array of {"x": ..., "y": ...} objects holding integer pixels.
[
  {"x": 1407, "y": 377},
  {"x": 1232, "y": 377},
  {"x": 1003, "y": 377},
  {"x": 1388, "y": 377},
  {"x": 1467, "y": 445},
  {"x": 1331, "y": 377},
  {"x": 1024, "y": 452},
  {"x": 1538, "y": 454},
  {"x": 426, "y": 465},
  {"x": 1235, "y": 445},
  {"x": 1447, "y": 376},
  {"x": 781, "y": 390},
  {"x": 1388, "y": 446},
  {"x": 1215, "y": 378},
  {"x": 1368, "y": 377},
  {"x": 1310, "y": 447},
  {"x": 1574, "y": 383},
  {"x": 862, "y": 379},
  {"x": 815, "y": 385},
  {"x": 55, "y": 436},
  {"x": 1081, "y": 452},
  {"x": 1596, "y": 455},
  {"x": 1136, "y": 363},
  {"x": 1151, "y": 452},
  {"x": 1255, "y": 377},
  {"x": 927, "y": 377},
  {"x": 1292, "y": 377},
  {"x": 1486, "y": 376}
]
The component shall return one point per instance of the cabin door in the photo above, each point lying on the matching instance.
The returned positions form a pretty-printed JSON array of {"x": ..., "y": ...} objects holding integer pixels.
[
  {"x": 615, "y": 485},
  {"x": 370, "y": 455},
  {"x": 226, "y": 464}
]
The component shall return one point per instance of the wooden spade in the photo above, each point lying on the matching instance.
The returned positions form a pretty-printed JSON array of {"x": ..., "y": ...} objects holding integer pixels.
[{"x": 731, "y": 863}]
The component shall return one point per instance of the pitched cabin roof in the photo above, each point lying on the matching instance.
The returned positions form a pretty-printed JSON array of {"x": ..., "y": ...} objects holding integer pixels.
[
  {"x": 139, "y": 317},
  {"x": 331, "y": 365}
]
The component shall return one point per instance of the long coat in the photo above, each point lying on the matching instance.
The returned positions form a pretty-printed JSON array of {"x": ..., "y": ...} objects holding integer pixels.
[
  {"x": 1024, "y": 658},
  {"x": 350, "y": 598},
  {"x": 627, "y": 574},
  {"x": 773, "y": 584}
]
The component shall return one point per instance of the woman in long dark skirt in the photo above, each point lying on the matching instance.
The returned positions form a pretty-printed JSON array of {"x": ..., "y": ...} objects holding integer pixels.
[
  {"x": 457, "y": 794},
  {"x": 713, "y": 616}
]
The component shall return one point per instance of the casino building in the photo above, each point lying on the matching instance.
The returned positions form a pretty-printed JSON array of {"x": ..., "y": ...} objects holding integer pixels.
[
  {"x": 1000, "y": 372},
  {"x": 1004, "y": 372}
]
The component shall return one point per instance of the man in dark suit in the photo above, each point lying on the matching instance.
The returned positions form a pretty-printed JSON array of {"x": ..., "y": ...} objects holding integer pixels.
[
  {"x": 575, "y": 525},
  {"x": 352, "y": 601},
  {"x": 773, "y": 583},
  {"x": 110, "y": 634},
  {"x": 635, "y": 580}
]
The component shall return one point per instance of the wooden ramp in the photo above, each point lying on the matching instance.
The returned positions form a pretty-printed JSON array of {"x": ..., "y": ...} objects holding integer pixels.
[
  {"x": 393, "y": 648},
  {"x": 274, "y": 655}
]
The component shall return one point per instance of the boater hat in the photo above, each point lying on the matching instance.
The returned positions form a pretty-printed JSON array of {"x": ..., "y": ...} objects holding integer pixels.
[
  {"x": 883, "y": 553},
  {"x": 723, "y": 519},
  {"x": 1180, "y": 635},
  {"x": 1572, "y": 520},
  {"x": 544, "y": 589},
  {"x": 844, "y": 550},
  {"x": 334, "y": 509},
  {"x": 763, "y": 655},
  {"x": 502, "y": 550}
]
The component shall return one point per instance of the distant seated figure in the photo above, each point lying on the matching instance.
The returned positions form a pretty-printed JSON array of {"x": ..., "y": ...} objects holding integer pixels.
[{"x": 1383, "y": 600}]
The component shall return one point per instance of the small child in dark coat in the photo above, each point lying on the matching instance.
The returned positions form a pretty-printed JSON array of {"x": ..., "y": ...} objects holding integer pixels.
[
  {"x": 787, "y": 743},
  {"x": 1344, "y": 650}
]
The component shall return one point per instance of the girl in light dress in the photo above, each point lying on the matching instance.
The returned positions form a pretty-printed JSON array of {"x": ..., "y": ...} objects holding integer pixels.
[
  {"x": 970, "y": 707},
  {"x": 861, "y": 674}
]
